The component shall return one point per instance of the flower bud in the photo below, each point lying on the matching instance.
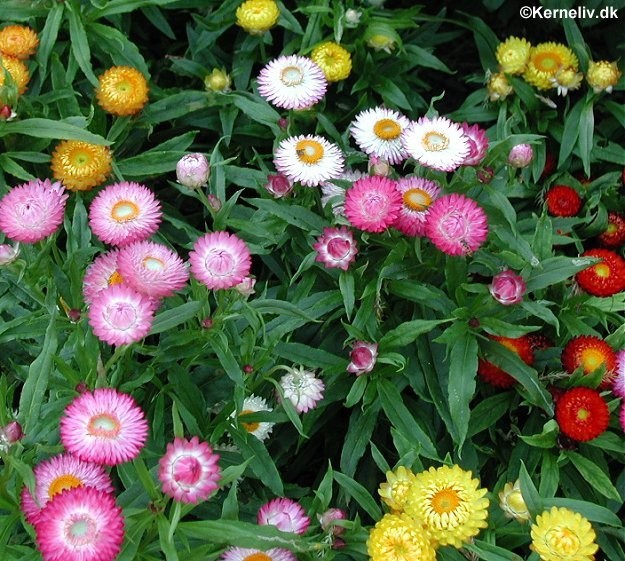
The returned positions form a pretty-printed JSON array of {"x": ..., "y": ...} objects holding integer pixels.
[
  {"x": 11, "y": 433},
  {"x": 512, "y": 503},
  {"x": 278, "y": 185},
  {"x": 520, "y": 156},
  {"x": 81, "y": 387},
  {"x": 363, "y": 357},
  {"x": 507, "y": 288},
  {"x": 193, "y": 170},
  {"x": 214, "y": 202},
  {"x": 248, "y": 368},
  {"x": 246, "y": 286},
  {"x": 327, "y": 519},
  {"x": 602, "y": 75},
  {"x": 217, "y": 81},
  {"x": 498, "y": 87},
  {"x": 207, "y": 323},
  {"x": 379, "y": 166},
  {"x": 352, "y": 17},
  {"x": 283, "y": 123},
  {"x": 8, "y": 253},
  {"x": 6, "y": 113},
  {"x": 485, "y": 175},
  {"x": 74, "y": 315}
]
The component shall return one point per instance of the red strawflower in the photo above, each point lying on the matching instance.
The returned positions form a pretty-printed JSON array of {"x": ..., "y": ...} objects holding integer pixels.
[
  {"x": 582, "y": 414},
  {"x": 604, "y": 278},
  {"x": 498, "y": 377},
  {"x": 614, "y": 234},
  {"x": 590, "y": 352},
  {"x": 539, "y": 342},
  {"x": 563, "y": 200}
]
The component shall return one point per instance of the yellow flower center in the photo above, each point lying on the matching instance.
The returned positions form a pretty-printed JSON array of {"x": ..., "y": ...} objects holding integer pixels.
[
  {"x": 124, "y": 211},
  {"x": 583, "y": 414},
  {"x": 387, "y": 129},
  {"x": 115, "y": 278},
  {"x": 62, "y": 482},
  {"x": 602, "y": 270},
  {"x": 123, "y": 86},
  {"x": 591, "y": 359},
  {"x": 257, "y": 557},
  {"x": 309, "y": 151},
  {"x": 292, "y": 76},
  {"x": 417, "y": 199},
  {"x": 103, "y": 425},
  {"x": 547, "y": 62},
  {"x": 445, "y": 501},
  {"x": 153, "y": 264},
  {"x": 80, "y": 158},
  {"x": 250, "y": 427},
  {"x": 435, "y": 141},
  {"x": 562, "y": 541}
]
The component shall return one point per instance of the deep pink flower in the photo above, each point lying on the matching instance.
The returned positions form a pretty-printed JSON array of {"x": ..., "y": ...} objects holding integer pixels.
[
  {"x": 286, "y": 514},
  {"x": 278, "y": 185},
  {"x": 11, "y": 433},
  {"x": 363, "y": 357},
  {"x": 32, "y": 211},
  {"x": 336, "y": 248},
  {"x": 478, "y": 144},
  {"x": 373, "y": 203},
  {"x": 188, "y": 471},
  {"x": 456, "y": 224},
  {"x": 507, "y": 288}
]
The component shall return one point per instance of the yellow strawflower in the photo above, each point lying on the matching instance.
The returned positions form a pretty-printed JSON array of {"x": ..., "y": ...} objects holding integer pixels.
[
  {"x": 567, "y": 79},
  {"x": 257, "y": 16},
  {"x": 17, "y": 70},
  {"x": 513, "y": 54},
  {"x": 512, "y": 503},
  {"x": 80, "y": 166},
  {"x": 122, "y": 90},
  {"x": 334, "y": 60},
  {"x": 498, "y": 87},
  {"x": 560, "y": 534},
  {"x": 602, "y": 75},
  {"x": 18, "y": 41},
  {"x": 545, "y": 61},
  {"x": 394, "y": 491},
  {"x": 217, "y": 81},
  {"x": 398, "y": 538},
  {"x": 449, "y": 504}
]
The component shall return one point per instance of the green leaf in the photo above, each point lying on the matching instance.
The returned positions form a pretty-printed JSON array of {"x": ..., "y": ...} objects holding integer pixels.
[
  {"x": 152, "y": 162},
  {"x": 360, "y": 494},
  {"x": 571, "y": 132},
  {"x": 47, "y": 128},
  {"x": 554, "y": 270},
  {"x": 546, "y": 439},
  {"x": 532, "y": 499},
  {"x": 122, "y": 51},
  {"x": 113, "y": 7},
  {"x": 594, "y": 476},
  {"x": 80, "y": 44},
  {"x": 593, "y": 512},
  {"x": 346, "y": 285},
  {"x": 490, "y": 552},
  {"x": 48, "y": 37},
  {"x": 261, "y": 462},
  {"x": 361, "y": 425},
  {"x": 174, "y": 317},
  {"x": 586, "y": 132},
  {"x": 408, "y": 331},
  {"x": 257, "y": 110},
  {"x": 220, "y": 345}
]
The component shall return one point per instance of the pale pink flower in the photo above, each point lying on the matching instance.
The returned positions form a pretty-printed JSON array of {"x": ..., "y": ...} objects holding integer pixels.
[
  {"x": 246, "y": 286},
  {"x": 328, "y": 518},
  {"x": 101, "y": 274},
  {"x": 247, "y": 554},
  {"x": 507, "y": 288},
  {"x": 193, "y": 170},
  {"x": 363, "y": 357},
  {"x": 456, "y": 225},
  {"x": 119, "y": 315},
  {"x": 336, "y": 248},
  {"x": 32, "y": 211},
  {"x": 417, "y": 194},
  {"x": 378, "y": 166},
  {"x": 478, "y": 144},
  {"x": 286, "y": 514},
  {"x": 220, "y": 260},
  {"x": 521, "y": 155},
  {"x": 278, "y": 185},
  {"x": 302, "y": 388},
  {"x": 80, "y": 524},
  {"x": 189, "y": 471},
  {"x": 104, "y": 426},
  {"x": 8, "y": 253},
  {"x": 373, "y": 203}
]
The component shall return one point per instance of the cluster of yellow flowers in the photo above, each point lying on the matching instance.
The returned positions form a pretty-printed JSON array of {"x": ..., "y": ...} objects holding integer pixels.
[
  {"x": 17, "y": 43},
  {"x": 446, "y": 507},
  {"x": 547, "y": 66}
]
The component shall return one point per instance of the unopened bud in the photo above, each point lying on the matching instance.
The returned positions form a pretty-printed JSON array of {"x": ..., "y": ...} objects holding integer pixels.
[
  {"x": 214, "y": 202},
  {"x": 8, "y": 253},
  {"x": 352, "y": 17},
  {"x": 193, "y": 170},
  {"x": 485, "y": 175},
  {"x": 12, "y": 433},
  {"x": 283, "y": 123},
  {"x": 81, "y": 387},
  {"x": 74, "y": 315},
  {"x": 207, "y": 323},
  {"x": 217, "y": 81},
  {"x": 521, "y": 156},
  {"x": 246, "y": 286},
  {"x": 378, "y": 166},
  {"x": 6, "y": 113},
  {"x": 278, "y": 185},
  {"x": 248, "y": 369}
]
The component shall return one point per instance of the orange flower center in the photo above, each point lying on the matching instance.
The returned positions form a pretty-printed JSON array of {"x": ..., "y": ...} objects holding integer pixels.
[
  {"x": 592, "y": 359},
  {"x": 417, "y": 199},
  {"x": 103, "y": 425},
  {"x": 153, "y": 264},
  {"x": 562, "y": 541},
  {"x": 124, "y": 211},
  {"x": 62, "y": 482},
  {"x": 435, "y": 141},
  {"x": 257, "y": 557},
  {"x": 115, "y": 278},
  {"x": 309, "y": 151},
  {"x": 387, "y": 129},
  {"x": 250, "y": 427},
  {"x": 547, "y": 62},
  {"x": 446, "y": 500}
]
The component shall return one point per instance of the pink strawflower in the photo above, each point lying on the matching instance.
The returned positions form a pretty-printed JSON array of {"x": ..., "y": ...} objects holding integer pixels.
[
  {"x": 57, "y": 474},
  {"x": 373, "y": 203},
  {"x": 618, "y": 383},
  {"x": 11, "y": 433},
  {"x": 286, "y": 514},
  {"x": 302, "y": 388},
  {"x": 220, "y": 260},
  {"x": 329, "y": 517},
  {"x": 152, "y": 269},
  {"x": 246, "y": 286},
  {"x": 8, "y": 253},
  {"x": 188, "y": 471},
  {"x": 278, "y": 185},
  {"x": 123, "y": 213},
  {"x": 336, "y": 248},
  {"x": 456, "y": 225},
  {"x": 80, "y": 524},
  {"x": 478, "y": 144},
  {"x": 32, "y": 211},
  {"x": 507, "y": 288},
  {"x": 417, "y": 194},
  {"x": 193, "y": 170},
  {"x": 104, "y": 426},
  {"x": 363, "y": 357},
  {"x": 246, "y": 554},
  {"x": 521, "y": 155},
  {"x": 119, "y": 315},
  {"x": 101, "y": 274}
]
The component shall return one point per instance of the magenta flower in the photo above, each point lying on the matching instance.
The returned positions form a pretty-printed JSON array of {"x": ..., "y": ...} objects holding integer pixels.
[
  {"x": 618, "y": 384},
  {"x": 188, "y": 471},
  {"x": 286, "y": 514},
  {"x": 507, "y": 288},
  {"x": 104, "y": 426},
  {"x": 363, "y": 357},
  {"x": 456, "y": 224},
  {"x": 32, "y": 211},
  {"x": 278, "y": 185},
  {"x": 336, "y": 248},
  {"x": 220, "y": 260},
  {"x": 193, "y": 170},
  {"x": 80, "y": 524},
  {"x": 478, "y": 144},
  {"x": 373, "y": 203},
  {"x": 521, "y": 155}
]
